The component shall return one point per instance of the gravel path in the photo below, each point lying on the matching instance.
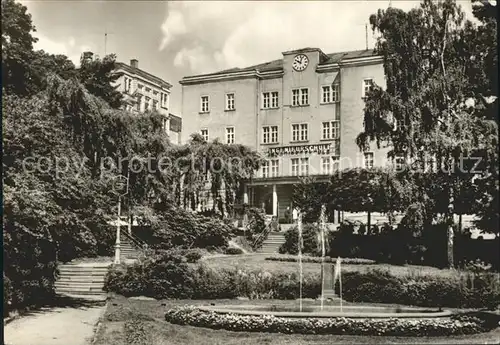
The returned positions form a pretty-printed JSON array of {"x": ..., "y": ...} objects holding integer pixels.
[{"x": 57, "y": 326}]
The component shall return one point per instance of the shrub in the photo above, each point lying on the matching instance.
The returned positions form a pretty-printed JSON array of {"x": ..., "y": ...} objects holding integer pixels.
[
  {"x": 193, "y": 316},
  {"x": 310, "y": 240},
  {"x": 314, "y": 259},
  {"x": 234, "y": 251},
  {"x": 136, "y": 332},
  {"x": 7, "y": 294},
  {"x": 256, "y": 223}
]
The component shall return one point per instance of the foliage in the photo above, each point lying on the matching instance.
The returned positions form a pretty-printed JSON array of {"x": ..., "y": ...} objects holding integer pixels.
[
  {"x": 310, "y": 240},
  {"x": 437, "y": 103},
  {"x": 193, "y": 316},
  {"x": 136, "y": 333},
  {"x": 314, "y": 259},
  {"x": 7, "y": 294},
  {"x": 256, "y": 224},
  {"x": 17, "y": 45},
  {"x": 233, "y": 251},
  {"x": 308, "y": 195}
]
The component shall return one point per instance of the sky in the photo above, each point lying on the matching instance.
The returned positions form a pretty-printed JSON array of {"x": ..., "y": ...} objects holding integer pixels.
[{"x": 173, "y": 39}]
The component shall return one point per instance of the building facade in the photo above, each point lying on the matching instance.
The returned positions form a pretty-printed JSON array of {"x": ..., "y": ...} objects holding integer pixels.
[
  {"x": 303, "y": 112},
  {"x": 144, "y": 92}
]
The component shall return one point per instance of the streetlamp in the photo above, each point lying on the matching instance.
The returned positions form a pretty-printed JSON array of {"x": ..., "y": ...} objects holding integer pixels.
[{"x": 120, "y": 188}]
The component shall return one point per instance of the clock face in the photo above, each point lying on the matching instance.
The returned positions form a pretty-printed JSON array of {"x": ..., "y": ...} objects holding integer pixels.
[{"x": 300, "y": 62}]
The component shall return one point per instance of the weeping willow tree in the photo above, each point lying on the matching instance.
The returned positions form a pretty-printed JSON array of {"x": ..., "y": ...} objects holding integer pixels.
[
  {"x": 213, "y": 168},
  {"x": 431, "y": 109}
]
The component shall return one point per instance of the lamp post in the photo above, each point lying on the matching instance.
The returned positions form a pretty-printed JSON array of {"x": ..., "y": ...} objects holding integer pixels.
[{"x": 120, "y": 188}]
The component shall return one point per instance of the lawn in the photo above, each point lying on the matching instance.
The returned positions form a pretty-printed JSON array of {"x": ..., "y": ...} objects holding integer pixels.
[
  {"x": 121, "y": 311},
  {"x": 258, "y": 262}
]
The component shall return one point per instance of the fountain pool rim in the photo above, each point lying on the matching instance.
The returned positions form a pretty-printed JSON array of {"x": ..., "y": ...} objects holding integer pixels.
[{"x": 332, "y": 312}]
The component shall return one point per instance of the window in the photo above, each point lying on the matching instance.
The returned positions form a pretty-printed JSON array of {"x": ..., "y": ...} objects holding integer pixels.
[
  {"x": 148, "y": 89},
  {"x": 140, "y": 86},
  {"x": 368, "y": 160},
  {"x": 274, "y": 99},
  {"x": 295, "y": 166},
  {"x": 331, "y": 130},
  {"x": 270, "y": 100},
  {"x": 229, "y": 135},
  {"x": 325, "y": 165},
  {"x": 165, "y": 124},
  {"x": 204, "y": 104},
  {"x": 399, "y": 162},
  {"x": 146, "y": 103},
  {"x": 295, "y": 97},
  {"x": 304, "y": 166},
  {"x": 155, "y": 104},
  {"x": 265, "y": 169},
  {"x": 266, "y": 98},
  {"x": 164, "y": 100},
  {"x": 367, "y": 86},
  {"x": 330, "y": 93},
  {"x": 126, "y": 84},
  {"x": 139, "y": 101},
  {"x": 300, "y": 132},
  {"x": 274, "y": 168},
  {"x": 230, "y": 101},
  {"x": 204, "y": 134},
  {"x": 335, "y": 163},
  {"x": 269, "y": 134},
  {"x": 155, "y": 92},
  {"x": 300, "y": 97}
]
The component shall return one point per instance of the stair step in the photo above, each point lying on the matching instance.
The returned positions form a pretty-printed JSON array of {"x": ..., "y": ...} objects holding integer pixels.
[{"x": 81, "y": 292}]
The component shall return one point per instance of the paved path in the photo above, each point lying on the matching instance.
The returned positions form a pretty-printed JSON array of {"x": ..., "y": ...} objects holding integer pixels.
[{"x": 57, "y": 326}]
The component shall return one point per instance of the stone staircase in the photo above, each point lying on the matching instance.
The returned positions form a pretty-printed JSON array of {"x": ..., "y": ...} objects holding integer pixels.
[
  {"x": 82, "y": 280},
  {"x": 86, "y": 280},
  {"x": 272, "y": 243}
]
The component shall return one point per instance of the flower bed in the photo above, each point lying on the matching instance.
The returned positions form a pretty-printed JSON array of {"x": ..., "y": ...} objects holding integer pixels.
[
  {"x": 314, "y": 259},
  {"x": 194, "y": 316}
]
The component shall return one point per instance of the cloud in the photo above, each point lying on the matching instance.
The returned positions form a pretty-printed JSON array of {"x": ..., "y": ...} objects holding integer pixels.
[
  {"x": 211, "y": 35},
  {"x": 68, "y": 48}
]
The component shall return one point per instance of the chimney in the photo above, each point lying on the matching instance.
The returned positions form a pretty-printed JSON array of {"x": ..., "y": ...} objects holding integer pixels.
[{"x": 134, "y": 63}]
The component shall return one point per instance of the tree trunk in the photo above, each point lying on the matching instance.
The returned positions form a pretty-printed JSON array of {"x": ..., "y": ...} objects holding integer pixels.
[
  {"x": 450, "y": 232},
  {"x": 369, "y": 223}
]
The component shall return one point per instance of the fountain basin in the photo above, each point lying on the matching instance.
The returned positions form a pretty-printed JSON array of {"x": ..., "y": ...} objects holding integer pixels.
[{"x": 329, "y": 311}]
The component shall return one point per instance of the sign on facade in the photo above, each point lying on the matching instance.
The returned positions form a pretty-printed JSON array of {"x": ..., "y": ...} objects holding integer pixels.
[{"x": 300, "y": 149}]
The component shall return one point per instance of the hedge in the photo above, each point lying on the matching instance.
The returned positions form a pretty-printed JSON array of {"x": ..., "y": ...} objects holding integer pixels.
[
  {"x": 170, "y": 276},
  {"x": 189, "y": 315},
  {"x": 315, "y": 259}
]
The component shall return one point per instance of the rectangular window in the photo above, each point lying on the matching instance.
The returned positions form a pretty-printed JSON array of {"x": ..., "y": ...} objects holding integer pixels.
[
  {"x": 325, "y": 165},
  {"x": 304, "y": 96},
  {"x": 164, "y": 125},
  {"x": 367, "y": 86},
  {"x": 164, "y": 100},
  {"x": 335, "y": 163},
  {"x": 229, "y": 135},
  {"x": 265, "y": 169},
  {"x": 148, "y": 89},
  {"x": 230, "y": 101},
  {"x": 155, "y": 104},
  {"x": 270, "y": 134},
  {"x": 300, "y": 132},
  {"x": 399, "y": 163},
  {"x": 300, "y": 97},
  {"x": 295, "y": 166},
  {"x": 274, "y": 168},
  {"x": 295, "y": 132},
  {"x": 140, "y": 86},
  {"x": 274, "y": 100},
  {"x": 368, "y": 160},
  {"x": 204, "y": 106},
  {"x": 139, "y": 101},
  {"x": 330, "y": 93},
  {"x": 266, "y": 100},
  {"x": 304, "y": 166},
  {"x": 146, "y": 103},
  {"x": 126, "y": 83},
  {"x": 331, "y": 130},
  {"x": 326, "y": 94},
  {"x": 295, "y": 97},
  {"x": 155, "y": 92},
  {"x": 130, "y": 85},
  {"x": 204, "y": 134}
]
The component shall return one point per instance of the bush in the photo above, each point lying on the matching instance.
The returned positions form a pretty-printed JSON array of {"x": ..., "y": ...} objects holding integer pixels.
[
  {"x": 314, "y": 259},
  {"x": 193, "y": 316},
  {"x": 169, "y": 276},
  {"x": 233, "y": 251},
  {"x": 7, "y": 294},
  {"x": 310, "y": 240}
]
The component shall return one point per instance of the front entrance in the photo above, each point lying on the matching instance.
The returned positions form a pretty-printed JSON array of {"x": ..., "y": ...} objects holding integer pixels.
[{"x": 268, "y": 203}]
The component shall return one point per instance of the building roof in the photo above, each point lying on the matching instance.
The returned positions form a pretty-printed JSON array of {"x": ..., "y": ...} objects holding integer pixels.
[
  {"x": 143, "y": 74},
  {"x": 277, "y": 65}
]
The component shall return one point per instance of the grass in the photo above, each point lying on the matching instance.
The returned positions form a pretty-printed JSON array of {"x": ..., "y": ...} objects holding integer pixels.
[
  {"x": 159, "y": 332},
  {"x": 258, "y": 262}
]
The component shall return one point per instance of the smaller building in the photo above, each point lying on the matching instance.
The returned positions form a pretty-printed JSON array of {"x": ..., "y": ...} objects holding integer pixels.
[{"x": 145, "y": 92}]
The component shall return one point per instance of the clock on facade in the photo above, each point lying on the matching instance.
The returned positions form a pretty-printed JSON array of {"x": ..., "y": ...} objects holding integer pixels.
[{"x": 300, "y": 62}]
